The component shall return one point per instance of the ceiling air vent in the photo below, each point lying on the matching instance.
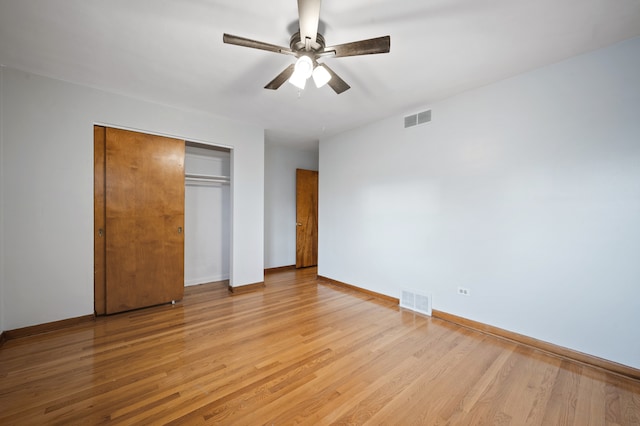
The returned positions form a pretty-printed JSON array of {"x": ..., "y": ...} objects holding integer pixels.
[
  {"x": 419, "y": 118},
  {"x": 424, "y": 117},
  {"x": 410, "y": 120}
]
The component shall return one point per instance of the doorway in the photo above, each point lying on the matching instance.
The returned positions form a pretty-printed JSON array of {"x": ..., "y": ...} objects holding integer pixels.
[
  {"x": 207, "y": 214},
  {"x": 160, "y": 206}
]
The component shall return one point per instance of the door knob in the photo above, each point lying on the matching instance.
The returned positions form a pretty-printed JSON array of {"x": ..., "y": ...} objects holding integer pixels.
[
  {"x": 179, "y": 229},
  {"x": 298, "y": 224}
]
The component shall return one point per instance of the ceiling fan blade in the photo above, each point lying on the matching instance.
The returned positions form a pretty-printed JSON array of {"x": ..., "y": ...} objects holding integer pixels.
[
  {"x": 281, "y": 78},
  {"x": 362, "y": 47},
  {"x": 336, "y": 83},
  {"x": 254, "y": 44},
  {"x": 309, "y": 16}
]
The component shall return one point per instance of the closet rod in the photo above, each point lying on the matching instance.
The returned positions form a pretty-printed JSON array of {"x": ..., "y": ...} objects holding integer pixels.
[
  {"x": 206, "y": 178},
  {"x": 206, "y": 183}
]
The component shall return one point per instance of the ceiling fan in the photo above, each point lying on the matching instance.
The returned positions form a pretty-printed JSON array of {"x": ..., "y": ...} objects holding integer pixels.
[{"x": 307, "y": 45}]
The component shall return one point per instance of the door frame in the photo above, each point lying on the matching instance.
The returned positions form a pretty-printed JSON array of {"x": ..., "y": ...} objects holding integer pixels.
[{"x": 99, "y": 220}]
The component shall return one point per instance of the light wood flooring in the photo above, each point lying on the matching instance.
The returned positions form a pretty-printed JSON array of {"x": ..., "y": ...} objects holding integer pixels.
[{"x": 296, "y": 352}]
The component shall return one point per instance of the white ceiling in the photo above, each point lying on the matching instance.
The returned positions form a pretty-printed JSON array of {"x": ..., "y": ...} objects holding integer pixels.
[{"x": 171, "y": 51}]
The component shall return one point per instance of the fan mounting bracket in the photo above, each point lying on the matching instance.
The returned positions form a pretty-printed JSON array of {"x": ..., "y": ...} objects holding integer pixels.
[{"x": 300, "y": 46}]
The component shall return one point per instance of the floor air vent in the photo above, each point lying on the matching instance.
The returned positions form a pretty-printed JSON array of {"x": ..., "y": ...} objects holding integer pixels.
[{"x": 418, "y": 302}]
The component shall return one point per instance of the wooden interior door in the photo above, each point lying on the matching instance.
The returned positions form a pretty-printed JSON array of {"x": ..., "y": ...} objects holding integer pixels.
[
  {"x": 144, "y": 220},
  {"x": 306, "y": 218}
]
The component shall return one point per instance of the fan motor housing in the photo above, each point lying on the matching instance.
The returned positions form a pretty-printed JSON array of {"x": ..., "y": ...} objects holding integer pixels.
[{"x": 297, "y": 44}]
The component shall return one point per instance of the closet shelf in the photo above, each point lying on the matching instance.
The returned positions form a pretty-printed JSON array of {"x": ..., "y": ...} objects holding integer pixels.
[{"x": 196, "y": 178}]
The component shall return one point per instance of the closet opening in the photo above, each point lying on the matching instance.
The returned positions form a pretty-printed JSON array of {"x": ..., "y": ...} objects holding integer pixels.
[{"x": 207, "y": 221}]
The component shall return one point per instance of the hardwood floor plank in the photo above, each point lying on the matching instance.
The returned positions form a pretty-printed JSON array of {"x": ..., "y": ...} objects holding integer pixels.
[
  {"x": 541, "y": 383},
  {"x": 526, "y": 390},
  {"x": 561, "y": 406},
  {"x": 429, "y": 399},
  {"x": 591, "y": 399},
  {"x": 297, "y": 352},
  {"x": 341, "y": 383}
]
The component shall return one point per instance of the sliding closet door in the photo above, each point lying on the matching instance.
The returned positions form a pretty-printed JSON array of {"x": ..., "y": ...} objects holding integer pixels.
[{"x": 144, "y": 209}]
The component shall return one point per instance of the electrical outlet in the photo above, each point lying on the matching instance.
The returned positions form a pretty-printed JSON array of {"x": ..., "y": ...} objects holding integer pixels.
[{"x": 464, "y": 291}]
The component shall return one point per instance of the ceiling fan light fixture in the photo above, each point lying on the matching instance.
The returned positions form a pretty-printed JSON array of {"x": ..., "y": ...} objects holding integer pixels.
[
  {"x": 298, "y": 80},
  {"x": 308, "y": 45},
  {"x": 321, "y": 76},
  {"x": 304, "y": 66}
]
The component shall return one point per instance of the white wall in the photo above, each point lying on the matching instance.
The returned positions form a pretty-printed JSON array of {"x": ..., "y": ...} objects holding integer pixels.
[
  {"x": 526, "y": 191},
  {"x": 281, "y": 162},
  {"x": 47, "y": 209},
  {"x": 207, "y": 221}
]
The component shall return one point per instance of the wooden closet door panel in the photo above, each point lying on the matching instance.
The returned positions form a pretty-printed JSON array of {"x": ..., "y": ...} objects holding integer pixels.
[
  {"x": 99, "y": 135},
  {"x": 306, "y": 218},
  {"x": 144, "y": 220}
]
